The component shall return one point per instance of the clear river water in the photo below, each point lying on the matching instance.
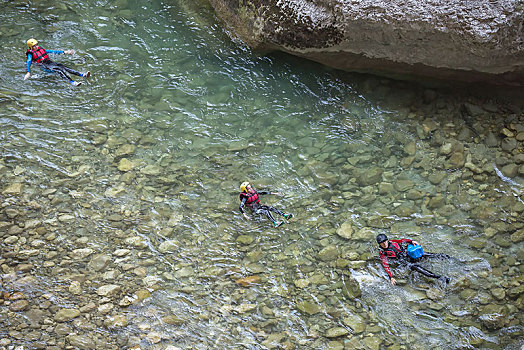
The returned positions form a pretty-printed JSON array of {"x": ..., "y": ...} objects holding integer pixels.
[{"x": 119, "y": 218}]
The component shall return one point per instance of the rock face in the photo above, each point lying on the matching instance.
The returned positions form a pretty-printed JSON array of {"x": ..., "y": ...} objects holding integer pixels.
[{"x": 460, "y": 40}]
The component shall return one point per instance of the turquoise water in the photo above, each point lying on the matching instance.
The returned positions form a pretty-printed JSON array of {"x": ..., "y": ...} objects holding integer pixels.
[{"x": 196, "y": 114}]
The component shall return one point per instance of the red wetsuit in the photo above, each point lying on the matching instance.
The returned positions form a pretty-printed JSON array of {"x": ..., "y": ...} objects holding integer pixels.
[
  {"x": 252, "y": 200},
  {"x": 393, "y": 251},
  {"x": 397, "y": 251}
]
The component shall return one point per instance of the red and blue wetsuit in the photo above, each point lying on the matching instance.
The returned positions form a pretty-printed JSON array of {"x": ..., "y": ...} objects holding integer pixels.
[
  {"x": 252, "y": 200},
  {"x": 396, "y": 250},
  {"x": 40, "y": 56}
]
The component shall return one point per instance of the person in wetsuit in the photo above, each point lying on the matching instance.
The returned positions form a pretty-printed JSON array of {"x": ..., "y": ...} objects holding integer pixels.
[
  {"x": 40, "y": 56},
  {"x": 250, "y": 197},
  {"x": 396, "y": 249}
]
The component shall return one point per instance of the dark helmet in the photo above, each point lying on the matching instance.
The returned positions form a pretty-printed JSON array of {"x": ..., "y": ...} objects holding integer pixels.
[{"x": 381, "y": 238}]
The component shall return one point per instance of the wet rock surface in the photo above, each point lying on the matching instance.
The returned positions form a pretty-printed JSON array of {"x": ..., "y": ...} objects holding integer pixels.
[{"x": 481, "y": 40}]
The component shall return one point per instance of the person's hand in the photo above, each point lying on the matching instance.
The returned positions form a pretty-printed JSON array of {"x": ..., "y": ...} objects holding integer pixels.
[
  {"x": 27, "y": 75},
  {"x": 393, "y": 281},
  {"x": 415, "y": 242},
  {"x": 69, "y": 52},
  {"x": 247, "y": 216}
]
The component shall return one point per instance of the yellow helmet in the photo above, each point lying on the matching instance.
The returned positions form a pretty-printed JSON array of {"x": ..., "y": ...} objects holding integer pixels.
[
  {"x": 31, "y": 42},
  {"x": 243, "y": 186}
]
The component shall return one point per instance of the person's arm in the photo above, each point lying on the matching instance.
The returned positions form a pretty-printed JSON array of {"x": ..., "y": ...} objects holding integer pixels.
[
  {"x": 28, "y": 66},
  {"x": 384, "y": 261},
  {"x": 59, "y": 52},
  {"x": 408, "y": 241},
  {"x": 269, "y": 192},
  {"x": 242, "y": 204}
]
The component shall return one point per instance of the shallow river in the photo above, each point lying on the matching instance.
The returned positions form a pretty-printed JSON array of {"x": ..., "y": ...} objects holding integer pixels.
[{"x": 119, "y": 220}]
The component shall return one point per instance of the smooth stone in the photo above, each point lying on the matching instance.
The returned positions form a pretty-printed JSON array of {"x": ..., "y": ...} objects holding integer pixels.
[
  {"x": 436, "y": 202},
  {"x": 518, "y": 236},
  {"x": 437, "y": 177},
  {"x": 355, "y": 322},
  {"x": 105, "y": 308},
  {"x": 75, "y": 288},
  {"x": 380, "y": 221},
  {"x": 510, "y": 170},
  {"x": 116, "y": 321},
  {"x": 308, "y": 307},
  {"x": 372, "y": 343},
  {"x": 121, "y": 252},
  {"x": 328, "y": 253},
  {"x": 508, "y": 144},
  {"x": 142, "y": 294},
  {"x": 11, "y": 240},
  {"x": 301, "y": 283},
  {"x": 491, "y": 140},
  {"x": 99, "y": 262},
  {"x": 446, "y": 149},
  {"x": 125, "y": 165},
  {"x": 365, "y": 234},
  {"x": 248, "y": 281},
  {"x": 19, "y": 305},
  {"x": 169, "y": 246},
  {"x": 385, "y": 188},
  {"x": 152, "y": 170},
  {"x": 150, "y": 281},
  {"x": 65, "y": 315},
  {"x": 410, "y": 149},
  {"x": 137, "y": 242},
  {"x": 185, "y": 272},
  {"x": 125, "y": 150},
  {"x": 66, "y": 218},
  {"x": 367, "y": 177},
  {"x": 62, "y": 329},
  {"x": 498, "y": 293},
  {"x": 335, "y": 345},
  {"x": 82, "y": 253},
  {"x": 457, "y": 159},
  {"x": 243, "y": 308},
  {"x": 345, "y": 230},
  {"x": 413, "y": 194},
  {"x": 245, "y": 239},
  {"x": 351, "y": 288},
  {"x": 13, "y": 189},
  {"x": 336, "y": 332},
  {"x": 81, "y": 342},
  {"x": 108, "y": 290},
  {"x": 404, "y": 185},
  {"x": 154, "y": 337}
]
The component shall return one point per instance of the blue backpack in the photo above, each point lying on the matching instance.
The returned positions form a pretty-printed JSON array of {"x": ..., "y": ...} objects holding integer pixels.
[{"x": 415, "y": 251}]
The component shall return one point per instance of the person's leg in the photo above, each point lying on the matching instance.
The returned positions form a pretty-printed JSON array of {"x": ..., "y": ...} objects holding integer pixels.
[
  {"x": 279, "y": 212},
  {"x": 425, "y": 272},
  {"x": 434, "y": 256},
  {"x": 61, "y": 73},
  {"x": 70, "y": 70},
  {"x": 265, "y": 210}
]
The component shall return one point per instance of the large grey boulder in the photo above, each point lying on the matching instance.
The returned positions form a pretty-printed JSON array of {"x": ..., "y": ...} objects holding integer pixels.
[{"x": 478, "y": 40}]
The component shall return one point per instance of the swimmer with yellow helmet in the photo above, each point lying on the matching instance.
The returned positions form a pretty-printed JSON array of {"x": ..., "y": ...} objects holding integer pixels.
[
  {"x": 250, "y": 197},
  {"x": 38, "y": 55}
]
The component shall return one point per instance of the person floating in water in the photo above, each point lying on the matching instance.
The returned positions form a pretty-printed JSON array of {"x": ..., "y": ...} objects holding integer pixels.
[
  {"x": 39, "y": 55},
  {"x": 250, "y": 197},
  {"x": 396, "y": 249}
]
